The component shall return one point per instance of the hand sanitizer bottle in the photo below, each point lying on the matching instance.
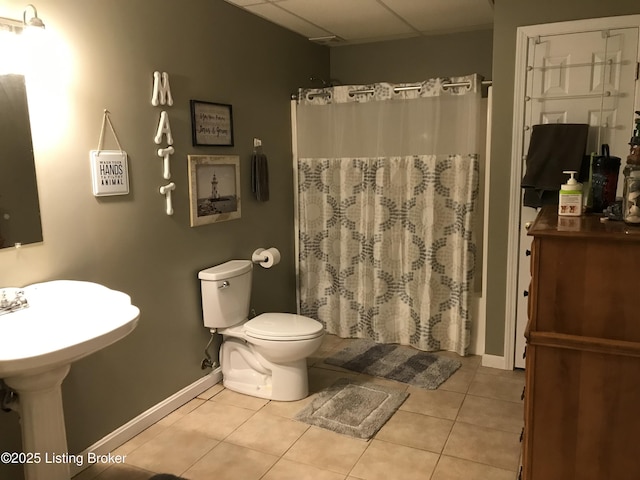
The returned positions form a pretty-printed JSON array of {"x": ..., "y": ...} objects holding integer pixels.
[{"x": 570, "y": 198}]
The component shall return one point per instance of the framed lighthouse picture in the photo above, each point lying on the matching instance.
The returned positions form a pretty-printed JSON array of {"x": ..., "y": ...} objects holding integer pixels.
[{"x": 214, "y": 188}]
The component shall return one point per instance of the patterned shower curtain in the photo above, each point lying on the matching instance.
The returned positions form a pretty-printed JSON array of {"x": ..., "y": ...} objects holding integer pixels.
[{"x": 386, "y": 247}]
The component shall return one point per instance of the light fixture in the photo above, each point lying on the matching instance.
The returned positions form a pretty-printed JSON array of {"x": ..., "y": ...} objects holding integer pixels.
[
  {"x": 34, "y": 21},
  {"x": 17, "y": 26}
]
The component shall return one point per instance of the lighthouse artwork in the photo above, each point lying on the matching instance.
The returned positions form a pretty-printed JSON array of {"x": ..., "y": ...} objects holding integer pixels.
[
  {"x": 216, "y": 202},
  {"x": 215, "y": 185}
]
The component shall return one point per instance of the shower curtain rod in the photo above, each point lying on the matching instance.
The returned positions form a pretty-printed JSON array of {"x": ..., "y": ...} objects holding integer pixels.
[
  {"x": 400, "y": 89},
  {"x": 418, "y": 87}
]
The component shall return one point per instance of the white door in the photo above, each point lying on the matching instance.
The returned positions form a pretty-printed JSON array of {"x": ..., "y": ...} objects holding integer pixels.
[{"x": 586, "y": 77}]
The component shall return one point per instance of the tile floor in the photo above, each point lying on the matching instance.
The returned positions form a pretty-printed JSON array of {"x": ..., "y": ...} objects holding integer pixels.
[{"x": 468, "y": 429}]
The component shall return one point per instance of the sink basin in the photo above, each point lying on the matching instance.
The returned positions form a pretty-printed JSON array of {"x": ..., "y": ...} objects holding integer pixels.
[{"x": 66, "y": 320}]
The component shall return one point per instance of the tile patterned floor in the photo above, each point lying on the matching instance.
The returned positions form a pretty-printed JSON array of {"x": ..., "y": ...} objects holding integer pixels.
[{"x": 468, "y": 429}]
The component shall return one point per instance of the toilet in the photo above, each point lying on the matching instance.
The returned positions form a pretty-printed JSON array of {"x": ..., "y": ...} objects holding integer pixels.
[{"x": 263, "y": 357}]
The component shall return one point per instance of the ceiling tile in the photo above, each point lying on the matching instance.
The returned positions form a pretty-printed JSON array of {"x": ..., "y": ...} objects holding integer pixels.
[
  {"x": 443, "y": 15},
  {"x": 349, "y": 19},
  {"x": 283, "y": 18},
  {"x": 361, "y": 21}
]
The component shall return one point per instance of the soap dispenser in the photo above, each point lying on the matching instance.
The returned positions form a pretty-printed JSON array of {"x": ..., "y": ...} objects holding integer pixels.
[{"x": 570, "y": 198}]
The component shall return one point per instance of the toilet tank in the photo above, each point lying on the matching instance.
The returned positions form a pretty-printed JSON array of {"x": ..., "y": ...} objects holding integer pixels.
[{"x": 226, "y": 292}]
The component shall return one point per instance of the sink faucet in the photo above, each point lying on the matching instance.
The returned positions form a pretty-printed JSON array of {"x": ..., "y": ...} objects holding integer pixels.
[{"x": 17, "y": 302}]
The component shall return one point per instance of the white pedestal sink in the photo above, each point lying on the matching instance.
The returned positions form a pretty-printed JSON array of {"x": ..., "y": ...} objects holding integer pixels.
[{"x": 66, "y": 320}]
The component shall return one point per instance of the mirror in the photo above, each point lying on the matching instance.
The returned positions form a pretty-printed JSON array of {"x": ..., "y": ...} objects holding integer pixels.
[{"x": 19, "y": 205}]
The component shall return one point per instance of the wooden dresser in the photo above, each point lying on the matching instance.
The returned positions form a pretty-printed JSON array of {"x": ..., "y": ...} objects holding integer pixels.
[{"x": 582, "y": 394}]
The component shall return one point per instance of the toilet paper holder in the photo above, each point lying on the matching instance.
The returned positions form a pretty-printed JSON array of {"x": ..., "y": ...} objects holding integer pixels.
[{"x": 266, "y": 257}]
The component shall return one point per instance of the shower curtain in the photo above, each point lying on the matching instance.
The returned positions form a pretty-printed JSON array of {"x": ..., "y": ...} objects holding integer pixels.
[{"x": 387, "y": 183}]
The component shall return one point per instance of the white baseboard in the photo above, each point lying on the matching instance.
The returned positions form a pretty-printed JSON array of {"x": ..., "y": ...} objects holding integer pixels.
[
  {"x": 143, "y": 421},
  {"x": 494, "y": 361}
]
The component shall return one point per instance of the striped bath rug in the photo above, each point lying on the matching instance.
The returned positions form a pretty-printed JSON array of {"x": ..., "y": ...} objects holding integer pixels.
[{"x": 396, "y": 362}]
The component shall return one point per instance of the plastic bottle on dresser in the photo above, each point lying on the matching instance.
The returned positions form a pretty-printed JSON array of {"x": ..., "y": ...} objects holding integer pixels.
[{"x": 570, "y": 197}]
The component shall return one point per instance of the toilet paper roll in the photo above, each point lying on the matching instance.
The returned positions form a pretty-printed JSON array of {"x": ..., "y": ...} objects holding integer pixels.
[{"x": 266, "y": 258}]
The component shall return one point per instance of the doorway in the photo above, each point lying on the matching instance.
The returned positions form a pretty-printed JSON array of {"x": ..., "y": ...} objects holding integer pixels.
[{"x": 570, "y": 72}]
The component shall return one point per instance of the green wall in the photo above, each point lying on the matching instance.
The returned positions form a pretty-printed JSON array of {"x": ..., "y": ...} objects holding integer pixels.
[
  {"x": 103, "y": 55},
  {"x": 508, "y": 16},
  {"x": 413, "y": 59}
]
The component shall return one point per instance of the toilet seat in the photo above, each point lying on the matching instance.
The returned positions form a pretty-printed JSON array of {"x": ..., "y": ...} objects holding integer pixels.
[{"x": 283, "y": 327}]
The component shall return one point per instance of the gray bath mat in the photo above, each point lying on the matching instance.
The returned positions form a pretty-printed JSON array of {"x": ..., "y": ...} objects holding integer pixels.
[
  {"x": 396, "y": 362},
  {"x": 352, "y": 408}
]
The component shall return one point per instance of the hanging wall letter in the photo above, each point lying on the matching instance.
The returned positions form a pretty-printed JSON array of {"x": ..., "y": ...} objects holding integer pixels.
[
  {"x": 162, "y": 96},
  {"x": 161, "y": 90},
  {"x": 166, "y": 191},
  {"x": 166, "y": 153},
  {"x": 163, "y": 129}
]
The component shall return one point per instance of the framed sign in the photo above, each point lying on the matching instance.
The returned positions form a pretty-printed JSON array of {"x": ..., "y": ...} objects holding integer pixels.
[
  {"x": 214, "y": 188},
  {"x": 109, "y": 172},
  {"x": 211, "y": 123}
]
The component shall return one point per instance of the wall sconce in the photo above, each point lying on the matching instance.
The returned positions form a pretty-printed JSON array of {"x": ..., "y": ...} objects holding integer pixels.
[
  {"x": 33, "y": 21},
  {"x": 16, "y": 26}
]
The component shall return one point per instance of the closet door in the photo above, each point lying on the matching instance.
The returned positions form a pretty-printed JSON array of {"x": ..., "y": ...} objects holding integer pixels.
[{"x": 584, "y": 77}]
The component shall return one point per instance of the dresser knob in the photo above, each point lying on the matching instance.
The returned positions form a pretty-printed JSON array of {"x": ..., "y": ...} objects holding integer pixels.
[
  {"x": 522, "y": 396},
  {"x": 527, "y": 253},
  {"x": 525, "y": 293},
  {"x": 521, "y": 434}
]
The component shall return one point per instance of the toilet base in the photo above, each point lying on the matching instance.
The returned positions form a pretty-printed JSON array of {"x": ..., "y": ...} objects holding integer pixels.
[{"x": 246, "y": 371}]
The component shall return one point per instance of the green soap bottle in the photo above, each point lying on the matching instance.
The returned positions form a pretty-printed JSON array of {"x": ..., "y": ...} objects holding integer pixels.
[{"x": 570, "y": 198}]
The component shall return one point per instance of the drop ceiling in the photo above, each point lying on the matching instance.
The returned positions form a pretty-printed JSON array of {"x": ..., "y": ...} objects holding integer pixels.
[{"x": 341, "y": 22}]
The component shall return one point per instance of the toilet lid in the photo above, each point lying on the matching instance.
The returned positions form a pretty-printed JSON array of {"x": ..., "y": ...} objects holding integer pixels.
[{"x": 283, "y": 326}]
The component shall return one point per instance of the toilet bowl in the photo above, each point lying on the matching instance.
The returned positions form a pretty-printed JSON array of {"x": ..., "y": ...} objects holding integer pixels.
[{"x": 265, "y": 356}]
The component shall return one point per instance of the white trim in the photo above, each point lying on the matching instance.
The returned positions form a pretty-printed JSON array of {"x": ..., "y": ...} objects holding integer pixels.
[
  {"x": 522, "y": 42},
  {"x": 132, "y": 428},
  {"x": 478, "y": 344},
  {"x": 495, "y": 361},
  {"x": 487, "y": 187},
  {"x": 522, "y": 39},
  {"x": 296, "y": 222}
]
